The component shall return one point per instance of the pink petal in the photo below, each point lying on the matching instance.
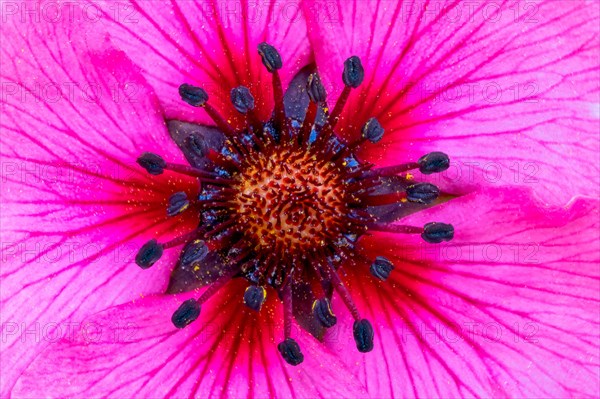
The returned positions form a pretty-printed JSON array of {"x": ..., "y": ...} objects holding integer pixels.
[
  {"x": 512, "y": 98},
  {"x": 506, "y": 309},
  {"x": 75, "y": 206},
  {"x": 212, "y": 44},
  {"x": 230, "y": 352}
]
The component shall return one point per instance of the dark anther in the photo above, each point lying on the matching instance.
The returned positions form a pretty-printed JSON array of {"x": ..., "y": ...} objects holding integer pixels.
[
  {"x": 424, "y": 193},
  {"x": 434, "y": 162},
  {"x": 381, "y": 268},
  {"x": 178, "y": 203},
  {"x": 154, "y": 164},
  {"x": 314, "y": 88},
  {"x": 435, "y": 233},
  {"x": 323, "y": 313},
  {"x": 372, "y": 130},
  {"x": 363, "y": 335},
  {"x": 186, "y": 313},
  {"x": 149, "y": 254},
  {"x": 198, "y": 145},
  {"x": 270, "y": 57},
  {"x": 193, "y": 95},
  {"x": 354, "y": 72},
  {"x": 254, "y": 297},
  {"x": 194, "y": 252},
  {"x": 242, "y": 99},
  {"x": 290, "y": 351}
]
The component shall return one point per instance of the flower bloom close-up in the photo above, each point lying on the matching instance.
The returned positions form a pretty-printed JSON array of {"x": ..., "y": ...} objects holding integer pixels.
[{"x": 300, "y": 199}]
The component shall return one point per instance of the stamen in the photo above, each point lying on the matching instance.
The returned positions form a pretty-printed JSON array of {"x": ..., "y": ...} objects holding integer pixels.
[
  {"x": 342, "y": 291},
  {"x": 322, "y": 310},
  {"x": 396, "y": 228},
  {"x": 363, "y": 335},
  {"x": 149, "y": 254},
  {"x": 193, "y": 95},
  {"x": 434, "y": 162},
  {"x": 272, "y": 61},
  {"x": 384, "y": 199},
  {"x": 270, "y": 57},
  {"x": 290, "y": 351},
  {"x": 352, "y": 76},
  {"x": 242, "y": 99},
  {"x": 287, "y": 309},
  {"x": 187, "y": 312},
  {"x": 381, "y": 268},
  {"x": 423, "y": 193},
  {"x": 152, "y": 251},
  {"x": 396, "y": 169},
  {"x": 193, "y": 253},
  {"x": 197, "y": 97},
  {"x": 372, "y": 131},
  {"x": 254, "y": 297},
  {"x": 289, "y": 348},
  {"x": 178, "y": 203},
  {"x": 435, "y": 233},
  {"x": 354, "y": 73},
  {"x": 317, "y": 94},
  {"x": 154, "y": 164}
]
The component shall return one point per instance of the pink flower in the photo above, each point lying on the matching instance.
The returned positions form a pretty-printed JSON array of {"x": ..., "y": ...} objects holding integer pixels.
[{"x": 507, "y": 308}]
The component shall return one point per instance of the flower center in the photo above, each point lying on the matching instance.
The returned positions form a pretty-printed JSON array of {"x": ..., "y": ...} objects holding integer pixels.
[
  {"x": 285, "y": 202},
  {"x": 290, "y": 200}
]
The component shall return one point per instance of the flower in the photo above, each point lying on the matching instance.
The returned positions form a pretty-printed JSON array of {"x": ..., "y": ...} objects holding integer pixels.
[{"x": 451, "y": 319}]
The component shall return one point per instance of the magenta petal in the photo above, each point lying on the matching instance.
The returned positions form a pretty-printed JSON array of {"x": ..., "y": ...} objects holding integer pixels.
[
  {"x": 508, "y": 89},
  {"x": 509, "y": 308},
  {"x": 212, "y": 44},
  {"x": 75, "y": 206},
  {"x": 231, "y": 354}
]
